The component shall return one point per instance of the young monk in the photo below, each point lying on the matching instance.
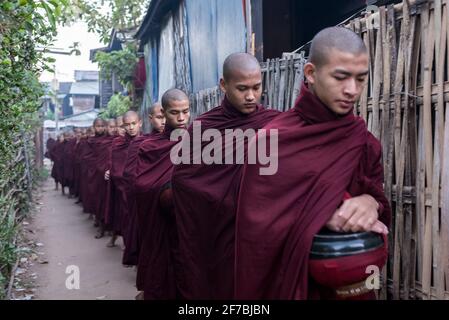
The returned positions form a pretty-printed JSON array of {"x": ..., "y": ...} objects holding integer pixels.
[
  {"x": 205, "y": 195},
  {"x": 56, "y": 155},
  {"x": 118, "y": 158},
  {"x": 133, "y": 125},
  {"x": 156, "y": 226},
  {"x": 90, "y": 191},
  {"x": 101, "y": 164},
  {"x": 324, "y": 152}
]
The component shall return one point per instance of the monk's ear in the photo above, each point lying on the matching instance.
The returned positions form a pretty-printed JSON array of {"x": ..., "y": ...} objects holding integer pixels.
[
  {"x": 223, "y": 85},
  {"x": 310, "y": 72}
]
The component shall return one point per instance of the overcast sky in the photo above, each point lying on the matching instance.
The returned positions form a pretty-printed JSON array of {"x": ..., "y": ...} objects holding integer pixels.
[{"x": 66, "y": 65}]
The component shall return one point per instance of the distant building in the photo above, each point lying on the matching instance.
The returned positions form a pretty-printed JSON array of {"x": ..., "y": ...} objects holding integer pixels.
[
  {"x": 65, "y": 108},
  {"x": 108, "y": 87},
  {"x": 85, "y": 92}
]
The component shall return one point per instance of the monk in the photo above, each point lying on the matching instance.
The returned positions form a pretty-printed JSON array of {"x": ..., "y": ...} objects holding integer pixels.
[
  {"x": 90, "y": 161},
  {"x": 325, "y": 152},
  {"x": 133, "y": 125},
  {"x": 68, "y": 161},
  {"x": 121, "y": 132},
  {"x": 79, "y": 134},
  {"x": 118, "y": 159},
  {"x": 101, "y": 165},
  {"x": 205, "y": 195},
  {"x": 49, "y": 144},
  {"x": 56, "y": 155},
  {"x": 156, "y": 225},
  {"x": 83, "y": 151}
]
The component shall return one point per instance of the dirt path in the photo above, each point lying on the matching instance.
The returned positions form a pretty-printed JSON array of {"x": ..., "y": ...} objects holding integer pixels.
[{"x": 66, "y": 240}]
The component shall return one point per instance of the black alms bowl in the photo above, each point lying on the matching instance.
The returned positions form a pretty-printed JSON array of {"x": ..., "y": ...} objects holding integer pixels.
[{"x": 328, "y": 244}]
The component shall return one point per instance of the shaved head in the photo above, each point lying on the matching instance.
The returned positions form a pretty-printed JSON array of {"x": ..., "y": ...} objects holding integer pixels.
[
  {"x": 238, "y": 63},
  {"x": 132, "y": 123},
  {"x": 156, "y": 117},
  {"x": 130, "y": 114},
  {"x": 154, "y": 108},
  {"x": 173, "y": 95},
  {"x": 338, "y": 38},
  {"x": 99, "y": 120}
]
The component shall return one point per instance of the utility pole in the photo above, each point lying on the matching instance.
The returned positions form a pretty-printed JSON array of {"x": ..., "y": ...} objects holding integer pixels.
[{"x": 55, "y": 89}]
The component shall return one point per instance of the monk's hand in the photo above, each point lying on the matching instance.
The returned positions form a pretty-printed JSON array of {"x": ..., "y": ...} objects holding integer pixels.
[
  {"x": 358, "y": 214},
  {"x": 107, "y": 175}
]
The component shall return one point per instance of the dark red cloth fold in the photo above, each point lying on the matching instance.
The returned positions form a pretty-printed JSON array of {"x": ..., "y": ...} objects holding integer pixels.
[
  {"x": 205, "y": 198},
  {"x": 49, "y": 145},
  {"x": 57, "y": 156},
  {"x": 129, "y": 217},
  {"x": 115, "y": 201},
  {"x": 321, "y": 156},
  {"x": 99, "y": 185},
  {"x": 157, "y": 230},
  {"x": 69, "y": 147}
]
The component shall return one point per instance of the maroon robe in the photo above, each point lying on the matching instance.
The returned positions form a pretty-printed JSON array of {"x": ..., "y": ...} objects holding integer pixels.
[
  {"x": 99, "y": 185},
  {"x": 77, "y": 167},
  {"x": 205, "y": 199},
  {"x": 49, "y": 145},
  {"x": 57, "y": 156},
  {"x": 68, "y": 163},
  {"x": 85, "y": 152},
  {"x": 89, "y": 192},
  {"x": 129, "y": 217},
  {"x": 115, "y": 199},
  {"x": 157, "y": 229},
  {"x": 321, "y": 156}
]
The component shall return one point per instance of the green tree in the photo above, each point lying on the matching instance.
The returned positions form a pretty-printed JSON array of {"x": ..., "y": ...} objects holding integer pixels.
[
  {"x": 24, "y": 26},
  {"x": 117, "y": 106},
  {"x": 102, "y": 16}
]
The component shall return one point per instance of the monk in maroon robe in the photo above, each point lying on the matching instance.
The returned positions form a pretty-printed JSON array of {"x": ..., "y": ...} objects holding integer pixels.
[
  {"x": 132, "y": 124},
  {"x": 118, "y": 161},
  {"x": 84, "y": 151},
  {"x": 116, "y": 165},
  {"x": 324, "y": 152},
  {"x": 205, "y": 195},
  {"x": 79, "y": 134},
  {"x": 57, "y": 155},
  {"x": 101, "y": 166},
  {"x": 49, "y": 144},
  {"x": 90, "y": 196},
  {"x": 72, "y": 151},
  {"x": 156, "y": 226},
  {"x": 68, "y": 161}
]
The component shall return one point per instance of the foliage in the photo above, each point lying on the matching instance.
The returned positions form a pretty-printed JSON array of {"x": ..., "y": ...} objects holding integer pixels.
[
  {"x": 24, "y": 26},
  {"x": 121, "y": 63},
  {"x": 102, "y": 16},
  {"x": 117, "y": 106}
]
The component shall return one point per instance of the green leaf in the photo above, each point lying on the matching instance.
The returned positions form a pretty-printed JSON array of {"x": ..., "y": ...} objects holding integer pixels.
[{"x": 50, "y": 15}]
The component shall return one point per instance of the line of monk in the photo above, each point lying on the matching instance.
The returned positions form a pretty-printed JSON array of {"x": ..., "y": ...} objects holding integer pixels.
[{"x": 196, "y": 230}]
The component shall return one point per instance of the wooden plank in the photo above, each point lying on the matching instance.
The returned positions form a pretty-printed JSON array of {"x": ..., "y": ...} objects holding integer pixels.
[
  {"x": 290, "y": 81},
  {"x": 378, "y": 65},
  {"x": 406, "y": 212},
  {"x": 415, "y": 256},
  {"x": 427, "y": 143},
  {"x": 440, "y": 247},
  {"x": 445, "y": 204},
  {"x": 282, "y": 88},
  {"x": 277, "y": 76},
  {"x": 364, "y": 96},
  {"x": 388, "y": 140}
]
